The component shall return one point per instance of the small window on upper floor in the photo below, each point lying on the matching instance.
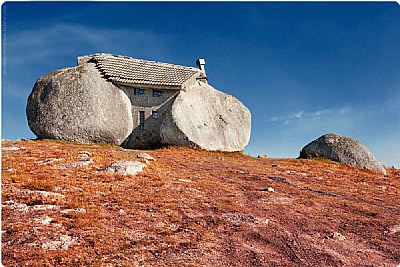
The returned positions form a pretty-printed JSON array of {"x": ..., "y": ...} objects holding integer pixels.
[
  {"x": 138, "y": 91},
  {"x": 157, "y": 93}
]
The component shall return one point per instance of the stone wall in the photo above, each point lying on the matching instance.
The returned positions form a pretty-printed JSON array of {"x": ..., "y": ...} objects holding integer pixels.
[{"x": 149, "y": 136}]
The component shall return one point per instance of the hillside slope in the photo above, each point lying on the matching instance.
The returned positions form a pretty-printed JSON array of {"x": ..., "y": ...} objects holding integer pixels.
[{"x": 193, "y": 208}]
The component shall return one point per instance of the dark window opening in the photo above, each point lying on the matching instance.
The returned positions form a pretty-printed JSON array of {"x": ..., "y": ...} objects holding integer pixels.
[
  {"x": 141, "y": 120},
  {"x": 138, "y": 91},
  {"x": 157, "y": 93}
]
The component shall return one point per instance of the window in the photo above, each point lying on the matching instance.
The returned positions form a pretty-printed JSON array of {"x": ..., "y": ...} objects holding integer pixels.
[
  {"x": 138, "y": 91},
  {"x": 155, "y": 114},
  {"x": 157, "y": 93},
  {"x": 141, "y": 120}
]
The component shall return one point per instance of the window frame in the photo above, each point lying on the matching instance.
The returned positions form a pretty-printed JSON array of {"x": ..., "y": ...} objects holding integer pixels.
[
  {"x": 138, "y": 91},
  {"x": 158, "y": 93}
]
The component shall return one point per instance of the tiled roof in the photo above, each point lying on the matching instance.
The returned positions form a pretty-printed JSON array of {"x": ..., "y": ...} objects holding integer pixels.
[{"x": 133, "y": 71}]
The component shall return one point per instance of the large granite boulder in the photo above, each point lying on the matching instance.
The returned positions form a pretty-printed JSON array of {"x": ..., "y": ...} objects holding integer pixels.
[
  {"x": 78, "y": 105},
  {"x": 207, "y": 118},
  {"x": 342, "y": 149}
]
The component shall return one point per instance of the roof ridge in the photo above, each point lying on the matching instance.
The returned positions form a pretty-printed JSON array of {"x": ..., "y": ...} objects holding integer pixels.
[
  {"x": 142, "y": 60},
  {"x": 135, "y": 71}
]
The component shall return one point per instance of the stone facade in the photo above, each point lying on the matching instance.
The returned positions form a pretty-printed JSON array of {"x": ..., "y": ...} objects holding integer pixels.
[{"x": 154, "y": 104}]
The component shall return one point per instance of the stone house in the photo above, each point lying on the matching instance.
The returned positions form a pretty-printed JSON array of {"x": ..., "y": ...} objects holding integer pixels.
[
  {"x": 150, "y": 86},
  {"x": 137, "y": 104}
]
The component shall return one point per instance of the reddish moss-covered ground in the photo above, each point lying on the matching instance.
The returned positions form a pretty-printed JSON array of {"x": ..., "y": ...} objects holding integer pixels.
[{"x": 193, "y": 208}]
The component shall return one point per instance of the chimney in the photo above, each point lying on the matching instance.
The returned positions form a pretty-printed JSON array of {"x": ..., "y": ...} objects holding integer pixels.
[{"x": 200, "y": 63}]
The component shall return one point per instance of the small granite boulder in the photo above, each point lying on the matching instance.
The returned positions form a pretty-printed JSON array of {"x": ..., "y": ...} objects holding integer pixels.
[
  {"x": 342, "y": 149},
  {"x": 146, "y": 157},
  {"x": 126, "y": 167}
]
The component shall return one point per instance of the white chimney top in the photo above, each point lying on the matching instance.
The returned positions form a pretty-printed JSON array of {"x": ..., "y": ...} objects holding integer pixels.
[{"x": 200, "y": 63}]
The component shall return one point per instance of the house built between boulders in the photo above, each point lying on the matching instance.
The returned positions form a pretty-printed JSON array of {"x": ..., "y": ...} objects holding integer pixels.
[{"x": 166, "y": 104}]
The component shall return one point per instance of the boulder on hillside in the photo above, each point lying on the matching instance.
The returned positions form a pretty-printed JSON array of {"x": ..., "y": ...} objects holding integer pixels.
[
  {"x": 79, "y": 105},
  {"x": 342, "y": 149},
  {"x": 126, "y": 167},
  {"x": 207, "y": 118}
]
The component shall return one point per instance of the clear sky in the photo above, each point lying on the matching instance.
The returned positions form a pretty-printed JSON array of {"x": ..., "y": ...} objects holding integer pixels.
[{"x": 303, "y": 69}]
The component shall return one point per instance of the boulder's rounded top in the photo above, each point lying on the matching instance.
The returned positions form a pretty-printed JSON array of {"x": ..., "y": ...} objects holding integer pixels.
[{"x": 342, "y": 149}]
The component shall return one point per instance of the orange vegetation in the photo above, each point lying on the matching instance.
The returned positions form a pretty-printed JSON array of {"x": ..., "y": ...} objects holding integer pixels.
[{"x": 193, "y": 208}]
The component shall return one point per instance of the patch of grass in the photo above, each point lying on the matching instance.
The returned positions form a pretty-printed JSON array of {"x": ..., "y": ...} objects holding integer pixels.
[
  {"x": 39, "y": 184},
  {"x": 87, "y": 219}
]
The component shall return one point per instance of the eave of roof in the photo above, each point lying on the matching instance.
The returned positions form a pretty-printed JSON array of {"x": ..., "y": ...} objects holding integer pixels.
[{"x": 136, "y": 72}]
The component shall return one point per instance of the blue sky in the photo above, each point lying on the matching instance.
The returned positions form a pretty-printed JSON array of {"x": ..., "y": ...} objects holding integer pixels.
[{"x": 303, "y": 69}]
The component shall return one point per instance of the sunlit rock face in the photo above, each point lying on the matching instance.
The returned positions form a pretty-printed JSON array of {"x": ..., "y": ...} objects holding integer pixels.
[
  {"x": 209, "y": 119},
  {"x": 78, "y": 105}
]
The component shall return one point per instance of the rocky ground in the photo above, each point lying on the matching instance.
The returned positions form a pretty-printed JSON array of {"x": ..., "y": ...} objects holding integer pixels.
[{"x": 61, "y": 206}]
